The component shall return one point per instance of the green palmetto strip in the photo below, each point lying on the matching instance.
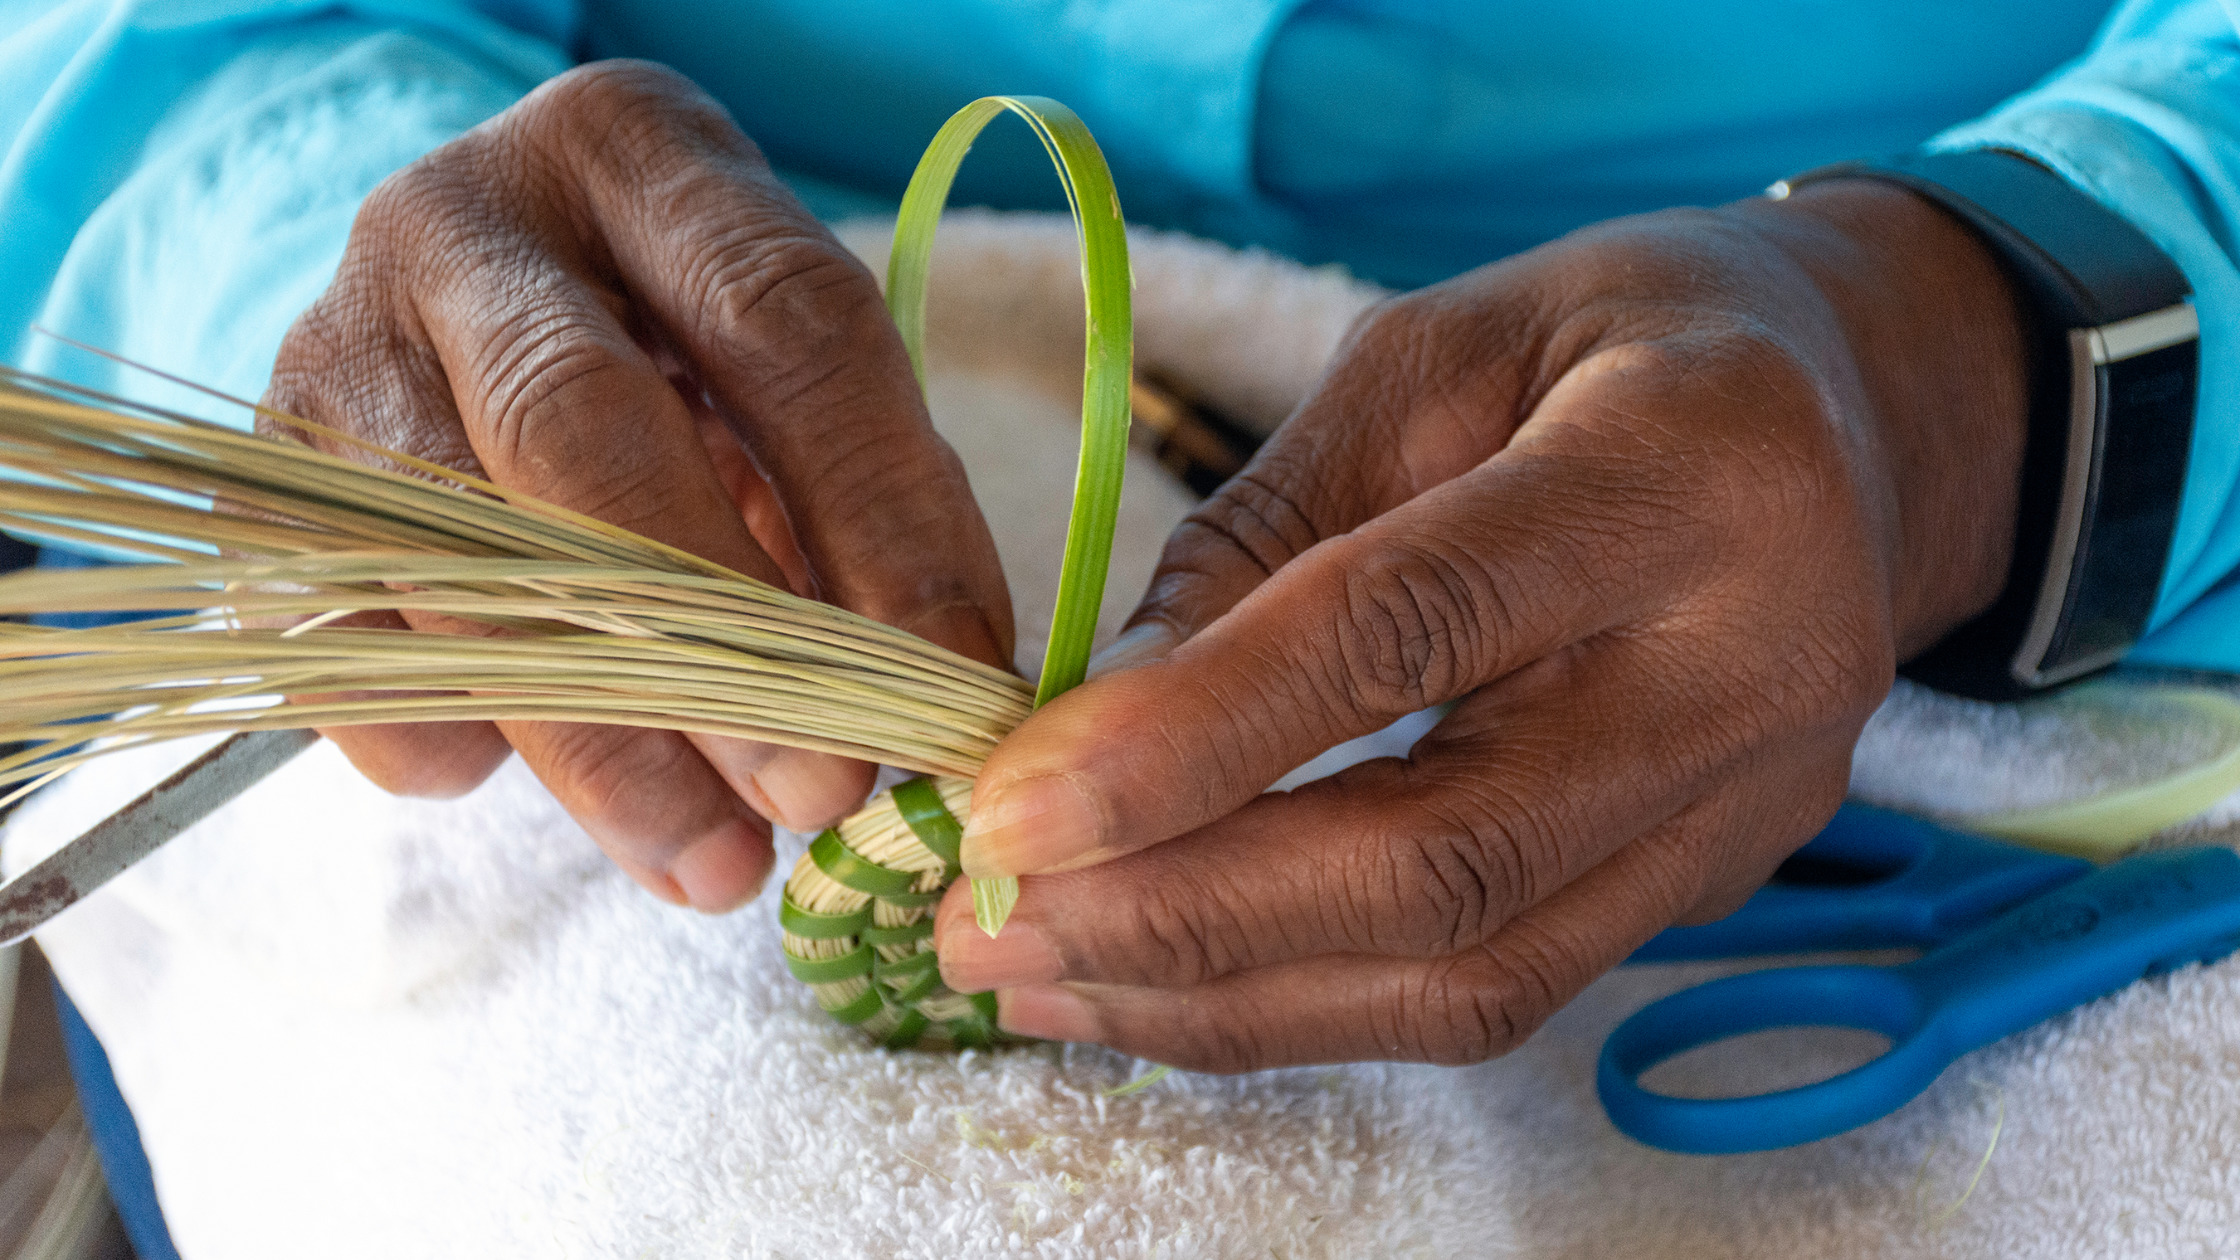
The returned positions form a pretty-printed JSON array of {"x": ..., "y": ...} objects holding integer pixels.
[
  {"x": 929, "y": 820},
  {"x": 2104, "y": 826},
  {"x": 1109, "y": 359}
]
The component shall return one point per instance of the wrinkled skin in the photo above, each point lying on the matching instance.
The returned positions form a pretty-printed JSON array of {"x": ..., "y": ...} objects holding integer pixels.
[
  {"x": 604, "y": 297},
  {"x": 1656, "y": 508}
]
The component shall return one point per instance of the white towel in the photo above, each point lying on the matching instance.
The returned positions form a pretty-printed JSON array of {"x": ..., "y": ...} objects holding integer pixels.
[{"x": 352, "y": 1026}]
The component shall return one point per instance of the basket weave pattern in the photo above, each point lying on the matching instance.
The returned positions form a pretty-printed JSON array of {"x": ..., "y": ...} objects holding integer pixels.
[{"x": 858, "y": 919}]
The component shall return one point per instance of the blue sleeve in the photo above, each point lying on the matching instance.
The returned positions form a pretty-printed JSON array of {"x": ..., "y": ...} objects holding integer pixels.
[
  {"x": 2148, "y": 122},
  {"x": 178, "y": 177}
]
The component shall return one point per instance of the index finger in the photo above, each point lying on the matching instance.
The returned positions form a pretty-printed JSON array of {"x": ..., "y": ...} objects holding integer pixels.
[{"x": 1421, "y": 606}]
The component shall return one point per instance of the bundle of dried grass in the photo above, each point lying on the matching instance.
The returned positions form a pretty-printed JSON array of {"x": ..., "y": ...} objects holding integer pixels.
[
  {"x": 595, "y": 624},
  {"x": 262, "y": 550}
]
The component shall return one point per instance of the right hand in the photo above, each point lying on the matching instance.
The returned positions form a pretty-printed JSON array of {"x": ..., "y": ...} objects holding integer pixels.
[{"x": 604, "y": 297}]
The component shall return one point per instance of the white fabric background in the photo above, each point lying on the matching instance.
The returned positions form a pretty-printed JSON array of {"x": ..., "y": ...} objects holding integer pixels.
[{"x": 358, "y": 1027}]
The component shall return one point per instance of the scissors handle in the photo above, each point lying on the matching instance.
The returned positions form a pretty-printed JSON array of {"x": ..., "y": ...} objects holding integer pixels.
[
  {"x": 1874, "y": 879},
  {"x": 2139, "y": 917}
]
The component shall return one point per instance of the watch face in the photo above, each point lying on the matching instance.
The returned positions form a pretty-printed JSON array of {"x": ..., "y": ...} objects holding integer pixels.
[{"x": 2142, "y": 426}]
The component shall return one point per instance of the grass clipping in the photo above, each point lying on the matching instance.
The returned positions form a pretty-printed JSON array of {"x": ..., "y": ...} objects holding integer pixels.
[{"x": 561, "y": 617}]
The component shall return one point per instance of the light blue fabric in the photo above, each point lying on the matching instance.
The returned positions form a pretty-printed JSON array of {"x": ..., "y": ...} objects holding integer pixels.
[
  {"x": 179, "y": 175},
  {"x": 2149, "y": 123}
]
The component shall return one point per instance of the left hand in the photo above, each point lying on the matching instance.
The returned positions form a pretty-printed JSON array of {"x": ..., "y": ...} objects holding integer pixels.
[{"x": 1657, "y": 508}]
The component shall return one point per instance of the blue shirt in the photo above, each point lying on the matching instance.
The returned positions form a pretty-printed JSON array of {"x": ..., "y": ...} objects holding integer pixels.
[{"x": 180, "y": 175}]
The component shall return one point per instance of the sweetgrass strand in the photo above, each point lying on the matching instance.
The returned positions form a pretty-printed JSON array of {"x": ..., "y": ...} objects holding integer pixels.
[
  {"x": 253, "y": 474},
  {"x": 563, "y": 617},
  {"x": 1107, "y": 369},
  {"x": 560, "y": 617}
]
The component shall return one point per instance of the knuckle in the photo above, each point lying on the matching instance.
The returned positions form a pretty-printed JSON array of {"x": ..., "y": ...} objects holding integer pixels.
[
  {"x": 545, "y": 373},
  {"x": 1679, "y": 865},
  {"x": 314, "y": 342},
  {"x": 1422, "y": 355},
  {"x": 393, "y": 203},
  {"x": 540, "y": 353},
  {"x": 1789, "y": 454},
  {"x": 1453, "y": 892},
  {"x": 1186, "y": 935},
  {"x": 596, "y": 100},
  {"x": 1788, "y": 531},
  {"x": 1461, "y": 869},
  {"x": 629, "y": 125},
  {"x": 423, "y": 216},
  {"x": 791, "y": 293},
  {"x": 864, "y": 500},
  {"x": 346, "y": 365},
  {"x": 1413, "y": 627},
  {"x": 1474, "y": 1006},
  {"x": 1175, "y": 943},
  {"x": 604, "y": 780},
  {"x": 1844, "y": 666}
]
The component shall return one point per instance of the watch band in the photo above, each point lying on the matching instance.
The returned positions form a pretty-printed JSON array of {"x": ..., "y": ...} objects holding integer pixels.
[{"x": 2115, "y": 353}]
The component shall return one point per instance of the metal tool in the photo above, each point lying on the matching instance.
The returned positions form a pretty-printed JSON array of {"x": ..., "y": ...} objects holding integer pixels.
[
  {"x": 191, "y": 794},
  {"x": 2016, "y": 936}
]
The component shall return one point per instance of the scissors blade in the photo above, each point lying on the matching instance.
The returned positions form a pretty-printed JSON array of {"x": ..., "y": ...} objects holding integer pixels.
[{"x": 115, "y": 843}]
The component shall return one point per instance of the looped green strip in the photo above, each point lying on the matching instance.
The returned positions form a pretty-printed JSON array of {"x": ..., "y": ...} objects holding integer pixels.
[
  {"x": 908, "y": 933},
  {"x": 922, "y": 987},
  {"x": 1107, "y": 370},
  {"x": 856, "y": 962},
  {"x": 906, "y": 1033},
  {"x": 853, "y": 870},
  {"x": 898, "y": 1016},
  {"x": 905, "y": 968},
  {"x": 930, "y": 821},
  {"x": 985, "y": 1003},
  {"x": 2103, "y": 827},
  {"x": 971, "y": 1034},
  {"x": 912, "y": 978},
  {"x": 810, "y": 925},
  {"x": 866, "y": 1004}
]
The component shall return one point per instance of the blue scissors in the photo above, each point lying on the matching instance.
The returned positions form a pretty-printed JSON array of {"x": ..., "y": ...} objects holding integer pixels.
[{"x": 2013, "y": 937}]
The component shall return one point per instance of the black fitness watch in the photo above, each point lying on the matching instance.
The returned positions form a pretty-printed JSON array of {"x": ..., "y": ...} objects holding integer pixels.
[{"x": 2115, "y": 352}]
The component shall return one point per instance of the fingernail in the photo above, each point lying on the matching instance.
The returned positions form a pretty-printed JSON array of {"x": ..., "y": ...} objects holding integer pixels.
[
  {"x": 807, "y": 791},
  {"x": 973, "y": 963},
  {"x": 1137, "y": 646},
  {"x": 1051, "y": 1012},
  {"x": 1030, "y": 826},
  {"x": 724, "y": 869}
]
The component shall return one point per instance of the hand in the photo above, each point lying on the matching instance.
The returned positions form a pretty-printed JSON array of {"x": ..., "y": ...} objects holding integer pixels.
[
  {"x": 1655, "y": 508},
  {"x": 603, "y": 297}
]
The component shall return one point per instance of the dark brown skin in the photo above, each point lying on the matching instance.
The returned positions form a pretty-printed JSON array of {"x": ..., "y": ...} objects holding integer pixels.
[
  {"x": 1656, "y": 507},
  {"x": 603, "y": 297}
]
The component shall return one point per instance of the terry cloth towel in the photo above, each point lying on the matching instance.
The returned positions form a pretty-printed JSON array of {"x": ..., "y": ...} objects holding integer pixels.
[{"x": 352, "y": 1026}]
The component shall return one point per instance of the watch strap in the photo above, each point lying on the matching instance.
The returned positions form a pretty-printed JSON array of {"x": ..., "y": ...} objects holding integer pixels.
[{"x": 2114, "y": 347}]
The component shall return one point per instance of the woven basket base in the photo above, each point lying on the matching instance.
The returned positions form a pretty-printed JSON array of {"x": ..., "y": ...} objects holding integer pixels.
[{"x": 858, "y": 920}]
